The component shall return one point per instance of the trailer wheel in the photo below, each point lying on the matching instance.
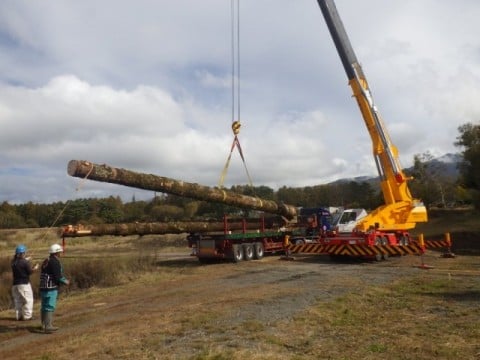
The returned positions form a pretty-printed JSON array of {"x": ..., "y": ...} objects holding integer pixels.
[
  {"x": 237, "y": 252},
  {"x": 258, "y": 250},
  {"x": 247, "y": 251}
]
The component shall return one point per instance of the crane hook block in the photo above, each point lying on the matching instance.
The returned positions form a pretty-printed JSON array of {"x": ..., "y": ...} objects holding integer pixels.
[{"x": 236, "y": 127}]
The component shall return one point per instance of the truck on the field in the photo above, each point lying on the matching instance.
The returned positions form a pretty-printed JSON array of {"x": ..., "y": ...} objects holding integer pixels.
[{"x": 382, "y": 232}]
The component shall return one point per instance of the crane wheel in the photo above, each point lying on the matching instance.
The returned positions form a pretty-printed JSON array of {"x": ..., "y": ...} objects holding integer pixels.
[{"x": 247, "y": 252}]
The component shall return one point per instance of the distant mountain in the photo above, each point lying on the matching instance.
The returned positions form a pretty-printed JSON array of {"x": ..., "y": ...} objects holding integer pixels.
[
  {"x": 358, "y": 179},
  {"x": 449, "y": 158},
  {"x": 445, "y": 165}
]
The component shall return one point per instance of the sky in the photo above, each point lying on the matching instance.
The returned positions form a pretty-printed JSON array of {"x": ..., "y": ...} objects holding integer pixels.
[{"x": 146, "y": 85}]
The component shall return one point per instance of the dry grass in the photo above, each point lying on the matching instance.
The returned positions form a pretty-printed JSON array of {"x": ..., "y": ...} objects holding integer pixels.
[
  {"x": 452, "y": 221},
  {"x": 179, "y": 309},
  {"x": 421, "y": 318},
  {"x": 433, "y": 314},
  {"x": 105, "y": 261}
]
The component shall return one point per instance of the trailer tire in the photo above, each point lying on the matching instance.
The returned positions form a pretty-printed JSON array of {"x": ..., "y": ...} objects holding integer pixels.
[
  {"x": 258, "y": 250},
  {"x": 248, "y": 252},
  {"x": 237, "y": 252}
]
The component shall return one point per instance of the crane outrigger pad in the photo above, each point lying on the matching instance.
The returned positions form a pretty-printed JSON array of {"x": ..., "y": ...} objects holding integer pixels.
[{"x": 357, "y": 250}]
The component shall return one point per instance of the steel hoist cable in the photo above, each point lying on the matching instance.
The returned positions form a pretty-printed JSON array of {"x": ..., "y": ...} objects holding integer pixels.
[
  {"x": 67, "y": 204},
  {"x": 235, "y": 58}
]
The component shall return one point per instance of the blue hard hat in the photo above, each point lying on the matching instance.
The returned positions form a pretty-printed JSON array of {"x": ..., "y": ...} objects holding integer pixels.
[{"x": 20, "y": 249}]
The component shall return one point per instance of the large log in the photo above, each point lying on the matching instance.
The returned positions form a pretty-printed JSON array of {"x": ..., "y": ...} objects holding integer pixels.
[
  {"x": 105, "y": 173},
  {"x": 157, "y": 228}
]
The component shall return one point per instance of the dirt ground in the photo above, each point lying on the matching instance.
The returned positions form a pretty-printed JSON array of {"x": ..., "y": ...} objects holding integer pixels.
[{"x": 188, "y": 310}]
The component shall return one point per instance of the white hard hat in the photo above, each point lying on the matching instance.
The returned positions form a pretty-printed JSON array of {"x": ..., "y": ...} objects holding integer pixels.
[{"x": 55, "y": 248}]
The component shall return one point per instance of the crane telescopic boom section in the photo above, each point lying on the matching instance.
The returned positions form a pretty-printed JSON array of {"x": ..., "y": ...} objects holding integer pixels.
[{"x": 401, "y": 212}]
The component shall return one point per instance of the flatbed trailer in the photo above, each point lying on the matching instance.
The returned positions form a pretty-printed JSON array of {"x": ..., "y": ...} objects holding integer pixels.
[
  {"x": 236, "y": 239},
  {"x": 236, "y": 246},
  {"x": 253, "y": 245},
  {"x": 241, "y": 244}
]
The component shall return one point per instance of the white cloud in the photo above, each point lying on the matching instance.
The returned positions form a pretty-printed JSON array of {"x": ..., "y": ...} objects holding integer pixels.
[
  {"x": 148, "y": 87},
  {"x": 208, "y": 79}
]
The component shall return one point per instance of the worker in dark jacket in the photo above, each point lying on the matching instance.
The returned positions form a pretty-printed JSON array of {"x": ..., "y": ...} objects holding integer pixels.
[
  {"x": 51, "y": 278},
  {"x": 22, "y": 289}
]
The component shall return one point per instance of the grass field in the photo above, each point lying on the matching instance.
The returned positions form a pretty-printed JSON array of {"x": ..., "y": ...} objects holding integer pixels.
[{"x": 163, "y": 304}]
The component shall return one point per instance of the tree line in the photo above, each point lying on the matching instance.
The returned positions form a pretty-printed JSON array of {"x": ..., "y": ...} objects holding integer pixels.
[
  {"x": 429, "y": 183},
  {"x": 166, "y": 207}
]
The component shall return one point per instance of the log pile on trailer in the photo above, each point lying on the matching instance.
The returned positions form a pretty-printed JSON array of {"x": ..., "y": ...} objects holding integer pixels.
[{"x": 241, "y": 239}]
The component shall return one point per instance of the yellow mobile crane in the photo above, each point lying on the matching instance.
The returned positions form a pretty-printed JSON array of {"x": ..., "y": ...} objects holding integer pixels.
[{"x": 401, "y": 211}]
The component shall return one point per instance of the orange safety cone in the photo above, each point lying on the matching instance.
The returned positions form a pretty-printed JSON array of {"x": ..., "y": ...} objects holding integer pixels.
[
  {"x": 288, "y": 252},
  {"x": 422, "y": 245},
  {"x": 448, "y": 253}
]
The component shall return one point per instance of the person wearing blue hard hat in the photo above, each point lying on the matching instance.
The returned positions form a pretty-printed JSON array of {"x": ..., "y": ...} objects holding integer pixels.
[{"x": 22, "y": 289}]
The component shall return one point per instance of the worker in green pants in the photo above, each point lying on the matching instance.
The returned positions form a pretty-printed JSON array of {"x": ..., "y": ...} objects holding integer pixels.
[{"x": 51, "y": 278}]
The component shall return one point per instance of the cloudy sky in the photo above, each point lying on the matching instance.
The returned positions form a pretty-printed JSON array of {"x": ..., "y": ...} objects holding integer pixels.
[{"x": 147, "y": 85}]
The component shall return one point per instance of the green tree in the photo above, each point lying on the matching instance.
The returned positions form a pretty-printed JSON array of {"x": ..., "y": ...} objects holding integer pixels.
[
  {"x": 166, "y": 213},
  {"x": 430, "y": 182},
  {"x": 29, "y": 212},
  {"x": 74, "y": 211},
  {"x": 423, "y": 184},
  {"x": 11, "y": 220},
  {"x": 469, "y": 141},
  {"x": 135, "y": 211},
  {"x": 263, "y": 192},
  {"x": 191, "y": 209},
  {"x": 291, "y": 196},
  {"x": 111, "y": 210}
]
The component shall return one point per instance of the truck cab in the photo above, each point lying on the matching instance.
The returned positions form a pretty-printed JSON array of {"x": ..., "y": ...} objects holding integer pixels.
[
  {"x": 348, "y": 219},
  {"x": 315, "y": 223}
]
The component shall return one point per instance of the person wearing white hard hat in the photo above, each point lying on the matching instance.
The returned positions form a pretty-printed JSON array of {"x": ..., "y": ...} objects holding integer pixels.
[
  {"x": 51, "y": 278},
  {"x": 22, "y": 289}
]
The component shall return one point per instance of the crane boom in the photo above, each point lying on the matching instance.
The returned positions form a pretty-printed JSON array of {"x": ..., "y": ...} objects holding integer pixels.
[{"x": 401, "y": 211}]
